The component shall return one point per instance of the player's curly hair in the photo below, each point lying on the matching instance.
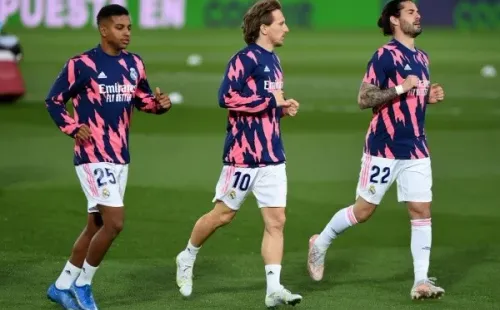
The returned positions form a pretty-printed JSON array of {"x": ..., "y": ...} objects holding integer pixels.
[
  {"x": 259, "y": 14},
  {"x": 392, "y": 8}
]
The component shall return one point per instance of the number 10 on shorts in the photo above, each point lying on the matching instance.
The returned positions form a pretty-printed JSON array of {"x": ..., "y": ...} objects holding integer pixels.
[{"x": 241, "y": 181}]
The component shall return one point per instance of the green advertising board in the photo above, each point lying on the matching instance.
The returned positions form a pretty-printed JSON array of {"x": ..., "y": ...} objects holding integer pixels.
[{"x": 299, "y": 13}]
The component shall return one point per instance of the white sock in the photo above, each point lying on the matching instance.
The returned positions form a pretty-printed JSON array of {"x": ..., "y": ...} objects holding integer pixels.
[
  {"x": 273, "y": 278},
  {"x": 191, "y": 250},
  {"x": 342, "y": 220},
  {"x": 67, "y": 276},
  {"x": 86, "y": 275},
  {"x": 421, "y": 241}
]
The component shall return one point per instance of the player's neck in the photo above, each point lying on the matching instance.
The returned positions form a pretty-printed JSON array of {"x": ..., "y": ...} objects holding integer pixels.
[
  {"x": 268, "y": 46},
  {"x": 406, "y": 41},
  {"x": 108, "y": 49}
]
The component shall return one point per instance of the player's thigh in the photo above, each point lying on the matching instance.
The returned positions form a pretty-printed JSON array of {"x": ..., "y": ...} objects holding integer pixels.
[
  {"x": 234, "y": 185},
  {"x": 271, "y": 186},
  {"x": 415, "y": 180},
  {"x": 100, "y": 185},
  {"x": 375, "y": 178}
]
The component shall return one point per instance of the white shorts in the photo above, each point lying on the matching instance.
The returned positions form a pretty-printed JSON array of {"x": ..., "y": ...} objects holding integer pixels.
[
  {"x": 413, "y": 177},
  {"x": 103, "y": 184},
  {"x": 268, "y": 184}
]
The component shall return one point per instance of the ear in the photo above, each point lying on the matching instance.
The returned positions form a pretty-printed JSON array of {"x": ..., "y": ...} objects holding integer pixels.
[
  {"x": 102, "y": 30},
  {"x": 394, "y": 20},
  {"x": 263, "y": 29}
]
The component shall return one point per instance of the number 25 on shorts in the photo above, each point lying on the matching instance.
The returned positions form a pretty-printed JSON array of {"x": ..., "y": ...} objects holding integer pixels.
[{"x": 104, "y": 176}]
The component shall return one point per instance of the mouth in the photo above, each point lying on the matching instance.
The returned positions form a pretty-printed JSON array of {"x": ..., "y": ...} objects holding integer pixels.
[{"x": 125, "y": 41}]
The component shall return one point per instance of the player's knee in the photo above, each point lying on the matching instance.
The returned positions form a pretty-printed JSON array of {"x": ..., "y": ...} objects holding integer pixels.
[
  {"x": 114, "y": 225},
  {"x": 363, "y": 210},
  {"x": 113, "y": 219},
  {"x": 276, "y": 224},
  {"x": 221, "y": 214},
  {"x": 275, "y": 220},
  {"x": 225, "y": 218},
  {"x": 419, "y": 210}
]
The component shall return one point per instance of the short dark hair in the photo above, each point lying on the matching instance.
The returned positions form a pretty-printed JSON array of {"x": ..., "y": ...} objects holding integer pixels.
[
  {"x": 111, "y": 10},
  {"x": 259, "y": 14},
  {"x": 392, "y": 8}
]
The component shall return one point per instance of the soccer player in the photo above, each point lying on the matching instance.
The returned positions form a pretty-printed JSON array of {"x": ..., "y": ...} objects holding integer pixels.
[
  {"x": 104, "y": 83},
  {"x": 253, "y": 155},
  {"x": 397, "y": 87}
]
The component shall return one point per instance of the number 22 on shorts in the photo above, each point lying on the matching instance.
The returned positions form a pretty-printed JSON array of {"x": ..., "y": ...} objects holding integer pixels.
[{"x": 376, "y": 176}]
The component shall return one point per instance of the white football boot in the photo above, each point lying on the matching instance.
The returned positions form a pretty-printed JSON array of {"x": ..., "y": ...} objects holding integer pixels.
[
  {"x": 282, "y": 297},
  {"x": 315, "y": 260},
  {"x": 426, "y": 289},
  {"x": 184, "y": 274}
]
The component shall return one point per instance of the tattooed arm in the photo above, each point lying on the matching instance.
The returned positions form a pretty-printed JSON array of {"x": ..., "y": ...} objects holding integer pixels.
[{"x": 371, "y": 96}]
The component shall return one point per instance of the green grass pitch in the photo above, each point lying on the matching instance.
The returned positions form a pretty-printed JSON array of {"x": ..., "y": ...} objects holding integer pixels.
[{"x": 176, "y": 160}]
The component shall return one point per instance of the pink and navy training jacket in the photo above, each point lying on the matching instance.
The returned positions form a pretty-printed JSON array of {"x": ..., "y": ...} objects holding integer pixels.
[
  {"x": 253, "y": 136},
  {"x": 104, "y": 90},
  {"x": 397, "y": 128}
]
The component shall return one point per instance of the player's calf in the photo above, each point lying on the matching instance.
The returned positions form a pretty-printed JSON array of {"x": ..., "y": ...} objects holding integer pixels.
[
  {"x": 101, "y": 242},
  {"x": 59, "y": 292},
  {"x": 272, "y": 246},
  {"x": 113, "y": 221},
  {"x": 272, "y": 242},
  {"x": 420, "y": 245},
  {"x": 81, "y": 245},
  {"x": 206, "y": 225}
]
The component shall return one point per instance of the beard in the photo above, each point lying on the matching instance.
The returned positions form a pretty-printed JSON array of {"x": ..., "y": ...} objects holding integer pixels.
[{"x": 410, "y": 29}]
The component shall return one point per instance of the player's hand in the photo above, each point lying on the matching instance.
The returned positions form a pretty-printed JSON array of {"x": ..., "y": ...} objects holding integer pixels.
[
  {"x": 436, "y": 93},
  {"x": 293, "y": 108},
  {"x": 162, "y": 99},
  {"x": 280, "y": 99},
  {"x": 83, "y": 133},
  {"x": 410, "y": 83}
]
